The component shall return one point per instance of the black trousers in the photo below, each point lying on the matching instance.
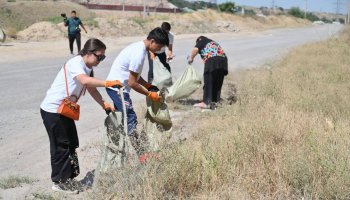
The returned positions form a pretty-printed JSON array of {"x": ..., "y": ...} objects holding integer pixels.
[
  {"x": 72, "y": 37},
  {"x": 212, "y": 86},
  {"x": 162, "y": 59},
  {"x": 63, "y": 142}
]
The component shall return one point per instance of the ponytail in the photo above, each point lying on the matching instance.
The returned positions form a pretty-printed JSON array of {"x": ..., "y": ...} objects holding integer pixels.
[{"x": 92, "y": 45}]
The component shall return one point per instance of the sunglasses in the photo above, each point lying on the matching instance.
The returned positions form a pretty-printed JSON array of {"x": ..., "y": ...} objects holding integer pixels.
[{"x": 99, "y": 57}]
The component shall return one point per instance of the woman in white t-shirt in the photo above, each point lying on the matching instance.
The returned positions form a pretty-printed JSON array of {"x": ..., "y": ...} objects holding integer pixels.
[{"x": 78, "y": 76}]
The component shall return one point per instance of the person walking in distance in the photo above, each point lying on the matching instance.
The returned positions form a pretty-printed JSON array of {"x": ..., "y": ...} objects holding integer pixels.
[
  {"x": 215, "y": 69},
  {"x": 74, "y": 78},
  {"x": 73, "y": 24},
  {"x": 164, "y": 58},
  {"x": 127, "y": 68}
]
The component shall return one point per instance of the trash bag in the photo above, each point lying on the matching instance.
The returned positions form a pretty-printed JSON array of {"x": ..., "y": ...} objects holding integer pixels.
[
  {"x": 158, "y": 111},
  {"x": 186, "y": 85},
  {"x": 157, "y": 124},
  {"x": 162, "y": 77},
  {"x": 114, "y": 152}
]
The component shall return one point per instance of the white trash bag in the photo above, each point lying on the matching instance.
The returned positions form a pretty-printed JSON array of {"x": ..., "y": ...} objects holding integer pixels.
[
  {"x": 162, "y": 77},
  {"x": 186, "y": 85}
]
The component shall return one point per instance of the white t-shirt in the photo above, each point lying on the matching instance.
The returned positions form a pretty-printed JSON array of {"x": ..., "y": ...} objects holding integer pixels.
[
  {"x": 129, "y": 59},
  {"x": 171, "y": 41},
  {"x": 57, "y": 92}
]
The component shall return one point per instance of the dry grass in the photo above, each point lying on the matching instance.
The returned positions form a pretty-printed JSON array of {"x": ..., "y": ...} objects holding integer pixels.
[
  {"x": 14, "y": 181},
  {"x": 287, "y": 137},
  {"x": 21, "y": 14}
]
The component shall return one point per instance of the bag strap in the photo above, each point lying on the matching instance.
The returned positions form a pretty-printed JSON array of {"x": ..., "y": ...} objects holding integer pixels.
[{"x": 65, "y": 77}]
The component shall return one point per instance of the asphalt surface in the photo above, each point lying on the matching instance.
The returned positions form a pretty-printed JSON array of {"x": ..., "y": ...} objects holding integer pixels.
[{"x": 24, "y": 145}]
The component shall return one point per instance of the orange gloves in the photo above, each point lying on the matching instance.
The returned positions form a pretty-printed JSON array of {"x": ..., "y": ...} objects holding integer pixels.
[
  {"x": 114, "y": 84},
  {"x": 108, "y": 107},
  {"x": 154, "y": 96}
]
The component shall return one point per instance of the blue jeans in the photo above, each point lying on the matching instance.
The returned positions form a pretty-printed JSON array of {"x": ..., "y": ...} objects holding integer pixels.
[{"x": 131, "y": 115}]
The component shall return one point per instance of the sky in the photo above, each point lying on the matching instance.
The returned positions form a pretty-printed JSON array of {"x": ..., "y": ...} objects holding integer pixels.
[{"x": 312, "y": 5}]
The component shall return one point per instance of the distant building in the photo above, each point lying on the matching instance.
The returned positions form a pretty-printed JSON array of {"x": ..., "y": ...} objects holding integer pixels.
[{"x": 150, "y": 3}]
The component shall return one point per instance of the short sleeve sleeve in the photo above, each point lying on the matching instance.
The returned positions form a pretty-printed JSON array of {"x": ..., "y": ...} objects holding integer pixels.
[
  {"x": 136, "y": 62},
  {"x": 75, "y": 68},
  {"x": 171, "y": 38}
]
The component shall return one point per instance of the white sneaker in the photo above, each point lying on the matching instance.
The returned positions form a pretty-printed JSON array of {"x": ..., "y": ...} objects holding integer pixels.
[{"x": 64, "y": 187}]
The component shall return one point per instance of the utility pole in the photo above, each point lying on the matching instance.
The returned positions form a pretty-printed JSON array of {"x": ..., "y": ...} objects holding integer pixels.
[
  {"x": 273, "y": 6},
  {"x": 305, "y": 13},
  {"x": 337, "y": 8},
  {"x": 348, "y": 17}
]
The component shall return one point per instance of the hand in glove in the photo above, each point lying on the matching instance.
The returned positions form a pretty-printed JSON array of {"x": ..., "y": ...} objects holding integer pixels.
[
  {"x": 114, "y": 84},
  {"x": 151, "y": 87},
  {"x": 108, "y": 107},
  {"x": 154, "y": 96}
]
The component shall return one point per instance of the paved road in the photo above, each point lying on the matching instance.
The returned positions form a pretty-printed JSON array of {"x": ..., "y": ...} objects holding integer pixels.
[{"x": 23, "y": 141}]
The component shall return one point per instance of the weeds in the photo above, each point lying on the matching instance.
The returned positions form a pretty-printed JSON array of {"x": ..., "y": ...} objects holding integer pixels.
[
  {"x": 14, "y": 181},
  {"x": 44, "y": 196},
  {"x": 92, "y": 23},
  {"x": 55, "y": 19}
]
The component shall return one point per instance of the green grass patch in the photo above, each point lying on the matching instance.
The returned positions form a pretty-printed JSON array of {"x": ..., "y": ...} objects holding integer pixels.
[
  {"x": 91, "y": 23},
  {"x": 55, "y": 19}
]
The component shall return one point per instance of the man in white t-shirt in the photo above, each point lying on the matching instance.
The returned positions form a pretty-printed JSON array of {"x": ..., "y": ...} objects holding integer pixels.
[
  {"x": 127, "y": 68},
  {"x": 164, "y": 58}
]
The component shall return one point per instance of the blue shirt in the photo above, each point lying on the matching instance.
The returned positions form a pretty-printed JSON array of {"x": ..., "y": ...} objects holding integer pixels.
[{"x": 73, "y": 25}]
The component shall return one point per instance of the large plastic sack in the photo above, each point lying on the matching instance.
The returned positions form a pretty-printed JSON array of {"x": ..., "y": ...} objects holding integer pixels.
[
  {"x": 162, "y": 77},
  {"x": 158, "y": 111},
  {"x": 186, "y": 85},
  {"x": 157, "y": 124},
  {"x": 114, "y": 152},
  {"x": 2, "y": 36}
]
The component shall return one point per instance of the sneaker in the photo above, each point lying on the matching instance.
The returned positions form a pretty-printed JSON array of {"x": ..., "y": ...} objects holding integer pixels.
[{"x": 64, "y": 187}]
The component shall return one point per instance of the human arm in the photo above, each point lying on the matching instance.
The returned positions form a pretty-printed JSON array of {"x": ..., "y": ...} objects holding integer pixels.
[
  {"x": 170, "y": 52},
  {"x": 142, "y": 87},
  {"x": 98, "y": 98},
  {"x": 82, "y": 25},
  {"x": 193, "y": 54},
  {"x": 65, "y": 21},
  {"x": 137, "y": 84},
  {"x": 93, "y": 82}
]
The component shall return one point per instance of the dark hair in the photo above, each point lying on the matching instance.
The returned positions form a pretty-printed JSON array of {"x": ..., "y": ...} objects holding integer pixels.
[
  {"x": 159, "y": 36},
  {"x": 166, "y": 26},
  {"x": 200, "y": 38},
  {"x": 91, "y": 46},
  {"x": 73, "y": 11}
]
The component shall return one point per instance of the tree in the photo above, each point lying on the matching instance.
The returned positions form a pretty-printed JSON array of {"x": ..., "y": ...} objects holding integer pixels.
[{"x": 227, "y": 7}]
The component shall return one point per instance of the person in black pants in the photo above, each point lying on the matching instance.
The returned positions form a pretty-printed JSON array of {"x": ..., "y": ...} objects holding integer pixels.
[
  {"x": 215, "y": 69},
  {"x": 164, "y": 58},
  {"x": 71, "y": 82},
  {"x": 73, "y": 24}
]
